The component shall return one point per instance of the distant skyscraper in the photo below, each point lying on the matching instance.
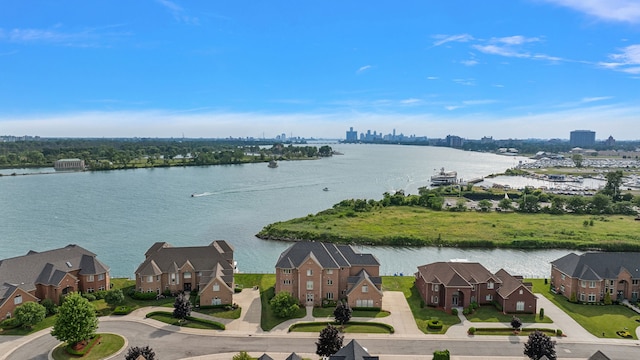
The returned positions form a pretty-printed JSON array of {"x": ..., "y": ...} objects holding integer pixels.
[
  {"x": 582, "y": 138},
  {"x": 352, "y": 135}
]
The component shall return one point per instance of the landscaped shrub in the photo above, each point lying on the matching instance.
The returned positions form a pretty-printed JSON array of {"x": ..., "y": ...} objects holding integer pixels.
[
  {"x": 166, "y": 292},
  {"x": 144, "y": 295},
  {"x": 558, "y": 332},
  {"x": 122, "y": 310},
  {"x": 435, "y": 324},
  {"x": 471, "y": 331},
  {"x": 89, "y": 297},
  {"x": 454, "y": 311},
  {"x": 441, "y": 355},
  {"x": 52, "y": 308},
  {"x": 541, "y": 313},
  {"x": 474, "y": 305},
  {"x": 10, "y": 323},
  {"x": 376, "y": 309},
  {"x": 100, "y": 294}
]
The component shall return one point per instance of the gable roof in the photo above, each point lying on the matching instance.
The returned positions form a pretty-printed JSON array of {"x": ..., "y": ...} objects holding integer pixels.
[
  {"x": 293, "y": 356},
  {"x": 363, "y": 276},
  {"x": 329, "y": 256},
  {"x": 599, "y": 355},
  {"x": 213, "y": 260},
  {"x": 510, "y": 284},
  {"x": 456, "y": 274},
  {"x": 352, "y": 351},
  {"x": 49, "y": 267},
  {"x": 599, "y": 265},
  {"x": 265, "y": 357}
]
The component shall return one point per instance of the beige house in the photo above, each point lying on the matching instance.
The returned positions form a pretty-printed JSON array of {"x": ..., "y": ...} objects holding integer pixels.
[
  {"x": 49, "y": 275},
  {"x": 205, "y": 269},
  {"x": 316, "y": 271},
  {"x": 451, "y": 285}
]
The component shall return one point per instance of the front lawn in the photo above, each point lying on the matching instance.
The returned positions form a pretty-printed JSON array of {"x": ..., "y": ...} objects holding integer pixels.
[
  {"x": 509, "y": 331},
  {"x": 350, "y": 327},
  {"x": 21, "y": 331},
  {"x": 190, "y": 322},
  {"x": 600, "y": 320},
  {"x": 222, "y": 313},
  {"x": 269, "y": 320},
  {"x": 488, "y": 313},
  {"x": 328, "y": 312}
]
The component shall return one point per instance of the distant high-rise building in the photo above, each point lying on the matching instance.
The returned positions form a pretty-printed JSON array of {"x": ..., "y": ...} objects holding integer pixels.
[
  {"x": 454, "y": 141},
  {"x": 582, "y": 138},
  {"x": 352, "y": 135},
  {"x": 610, "y": 141}
]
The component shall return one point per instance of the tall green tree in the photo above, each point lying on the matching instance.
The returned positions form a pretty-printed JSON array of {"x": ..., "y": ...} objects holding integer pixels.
[
  {"x": 539, "y": 345},
  {"x": 135, "y": 352},
  {"x": 181, "y": 307},
  {"x": 76, "y": 320},
  {"x": 329, "y": 342},
  {"x": 612, "y": 187},
  {"x": 30, "y": 313},
  {"x": 342, "y": 313},
  {"x": 284, "y": 304}
]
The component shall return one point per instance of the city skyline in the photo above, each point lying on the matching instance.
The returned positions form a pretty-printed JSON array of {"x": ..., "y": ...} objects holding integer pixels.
[{"x": 171, "y": 68}]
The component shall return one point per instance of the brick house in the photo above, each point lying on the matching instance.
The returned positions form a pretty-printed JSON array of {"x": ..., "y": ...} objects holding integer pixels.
[
  {"x": 457, "y": 284},
  {"x": 316, "y": 271},
  {"x": 49, "y": 275},
  {"x": 590, "y": 275},
  {"x": 205, "y": 269}
]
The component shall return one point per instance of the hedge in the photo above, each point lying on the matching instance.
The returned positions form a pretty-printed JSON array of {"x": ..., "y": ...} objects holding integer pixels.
[
  {"x": 122, "y": 310},
  {"x": 144, "y": 296},
  {"x": 435, "y": 324}
]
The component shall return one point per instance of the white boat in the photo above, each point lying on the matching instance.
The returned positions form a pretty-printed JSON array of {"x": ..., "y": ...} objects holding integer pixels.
[
  {"x": 444, "y": 178},
  {"x": 273, "y": 164}
]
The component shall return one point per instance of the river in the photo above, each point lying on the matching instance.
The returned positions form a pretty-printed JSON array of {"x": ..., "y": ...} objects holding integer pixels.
[{"x": 119, "y": 214}]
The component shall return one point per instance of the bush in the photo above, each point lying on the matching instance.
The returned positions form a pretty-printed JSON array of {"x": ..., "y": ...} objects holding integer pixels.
[
  {"x": 541, "y": 313},
  {"x": 441, "y": 355},
  {"x": 471, "y": 331},
  {"x": 435, "y": 325},
  {"x": 10, "y": 323},
  {"x": 166, "y": 292},
  {"x": 144, "y": 296},
  {"x": 284, "y": 304},
  {"x": 100, "y": 294},
  {"x": 558, "y": 332},
  {"x": 122, "y": 310},
  {"x": 454, "y": 311},
  {"x": 89, "y": 297},
  {"x": 52, "y": 308}
]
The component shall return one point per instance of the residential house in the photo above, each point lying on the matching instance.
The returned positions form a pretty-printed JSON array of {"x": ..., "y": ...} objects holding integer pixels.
[
  {"x": 316, "y": 271},
  {"x": 589, "y": 276},
  {"x": 205, "y": 269},
  {"x": 457, "y": 284},
  {"x": 49, "y": 275},
  {"x": 353, "y": 351}
]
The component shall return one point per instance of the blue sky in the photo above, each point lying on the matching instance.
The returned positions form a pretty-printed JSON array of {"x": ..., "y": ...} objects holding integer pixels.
[{"x": 164, "y": 68}]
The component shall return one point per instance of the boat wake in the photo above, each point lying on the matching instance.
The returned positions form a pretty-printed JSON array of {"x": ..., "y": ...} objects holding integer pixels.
[{"x": 202, "y": 194}]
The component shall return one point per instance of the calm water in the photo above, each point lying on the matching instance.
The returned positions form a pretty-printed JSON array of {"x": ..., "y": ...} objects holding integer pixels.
[{"x": 119, "y": 214}]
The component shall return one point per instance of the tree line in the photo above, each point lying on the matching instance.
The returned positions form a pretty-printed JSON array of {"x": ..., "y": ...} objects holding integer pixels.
[{"x": 107, "y": 154}]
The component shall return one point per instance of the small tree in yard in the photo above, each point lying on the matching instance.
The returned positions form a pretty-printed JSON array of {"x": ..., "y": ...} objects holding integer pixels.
[
  {"x": 284, "y": 305},
  {"x": 76, "y": 320},
  {"x": 539, "y": 345},
  {"x": 342, "y": 313},
  {"x": 30, "y": 313},
  {"x": 135, "y": 352},
  {"x": 114, "y": 297},
  {"x": 329, "y": 342},
  {"x": 242, "y": 356},
  {"x": 516, "y": 324},
  {"x": 181, "y": 307}
]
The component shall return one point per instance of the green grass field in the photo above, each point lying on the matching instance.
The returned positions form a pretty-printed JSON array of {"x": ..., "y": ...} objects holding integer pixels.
[
  {"x": 109, "y": 344},
  {"x": 350, "y": 327},
  {"x": 405, "y": 225}
]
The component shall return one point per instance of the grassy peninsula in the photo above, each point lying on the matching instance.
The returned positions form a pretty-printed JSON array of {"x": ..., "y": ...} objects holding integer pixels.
[{"x": 412, "y": 224}]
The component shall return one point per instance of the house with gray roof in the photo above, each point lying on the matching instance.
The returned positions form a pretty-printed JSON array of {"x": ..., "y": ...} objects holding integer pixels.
[
  {"x": 455, "y": 284},
  {"x": 205, "y": 269},
  {"x": 588, "y": 277},
  {"x": 49, "y": 275},
  {"x": 353, "y": 351},
  {"x": 314, "y": 272}
]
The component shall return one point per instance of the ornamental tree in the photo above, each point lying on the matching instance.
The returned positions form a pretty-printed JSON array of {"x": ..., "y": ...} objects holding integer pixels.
[
  {"x": 76, "y": 320},
  {"x": 284, "y": 305},
  {"x": 181, "y": 307},
  {"x": 539, "y": 345},
  {"x": 516, "y": 323},
  {"x": 30, "y": 313},
  {"x": 114, "y": 297},
  {"x": 135, "y": 352},
  {"x": 342, "y": 313},
  {"x": 329, "y": 342}
]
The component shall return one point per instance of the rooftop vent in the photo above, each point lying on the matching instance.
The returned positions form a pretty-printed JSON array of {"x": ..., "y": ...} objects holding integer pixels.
[{"x": 69, "y": 264}]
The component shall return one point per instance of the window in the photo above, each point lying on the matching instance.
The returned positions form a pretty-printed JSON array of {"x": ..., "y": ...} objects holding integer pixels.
[
  {"x": 364, "y": 303},
  {"x": 90, "y": 290},
  {"x": 434, "y": 299},
  {"x": 310, "y": 285},
  {"x": 581, "y": 296},
  {"x": 592, "y": 284},
  {"x": 611, "y": 282},
  {"x": 329, "y": 271},
  {"x": 286, "y": 271},
  {"x": 489, "y": 297},
  {"x": 562, "y": 276},
  {"x": 634, "y": 295},
  {"x": 173, "y": 277},
  {"x": 216, "y": 287},
  {"x": 187, "y": 275},
  {"x": 473, "y": 288},
  {"x": 330, "y": 295},
  {"x": 100, "y": 277},
  {"x": 365, "y": 288},
  {"x": 90, "y": 278},
  {"x": 329, "y": 282},
  {"x": 583, "y": 283},
  {"x": 561, "y": 289},
  {"x": 490, "y": 285},
  {"x": 435, "y": 287},
  {"x": 309, "y": 272},
  {"x": 611, "y": 291},
  {"x": 520, "y": 292},
  {"x": 150, "y": 278},
  {"x": 149, "y": 290},
  {"x": 634, "y": 282},
  {"x": 157, "y": 277},
  {"x": 17, "y": 300},
  {"x": 592, "y": 297},
  {"x": 101, "y": 288},
  {"x": 520, "y": 306},
  {"x": 286, "y": 282}
]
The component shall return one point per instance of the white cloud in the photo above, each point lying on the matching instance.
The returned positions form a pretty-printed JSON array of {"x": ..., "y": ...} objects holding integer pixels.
[
  {"x": 469, "y": 62},
  {"x": 515, "y": 40},
  {"x": 443, "y": 39},
  {"x": 363, "y": 69},
  {"x": 452, "y": 107},
  {"x": 596, "y": 98},
  {"x": 410, "y": 101},
  {"x": 466, "y": 82},
  {"x": 179, "y": 14},
  {"x": 628, "y": 60},
  {"x": 611, "y": 10},
  {"x": 89, "y": 37},
  {"x": 432, "y": 78}
]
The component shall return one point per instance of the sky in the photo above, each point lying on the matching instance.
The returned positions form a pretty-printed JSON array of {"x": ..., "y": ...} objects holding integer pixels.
[{"x": 215, "y": 69}]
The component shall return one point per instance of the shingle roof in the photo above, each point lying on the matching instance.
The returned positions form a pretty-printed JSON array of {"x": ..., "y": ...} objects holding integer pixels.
[
  {"x": 293, "y": 356},
  {"x": 509, "y": 284},
  {"x": 265, "y": 357},
  {"x": 49, "y": 267},
  {"x": 599, "y": 355},
  {"x": 599, "y": 265},
  {"x": 329, "y": 256},
  {"x": 215, "y": 259},
  {"x": 352, "y": 351},
  {"x": 363, "y": 276},
  {"x": 456, "y": 274}
]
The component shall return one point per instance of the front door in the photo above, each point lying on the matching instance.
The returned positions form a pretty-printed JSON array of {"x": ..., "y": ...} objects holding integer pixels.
[
  {"x": 187, "y": 287},
  {"x": 309, "y": 299},
  {"x": 216, "y": 301},
  {"x": 454, "y": 299}
]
